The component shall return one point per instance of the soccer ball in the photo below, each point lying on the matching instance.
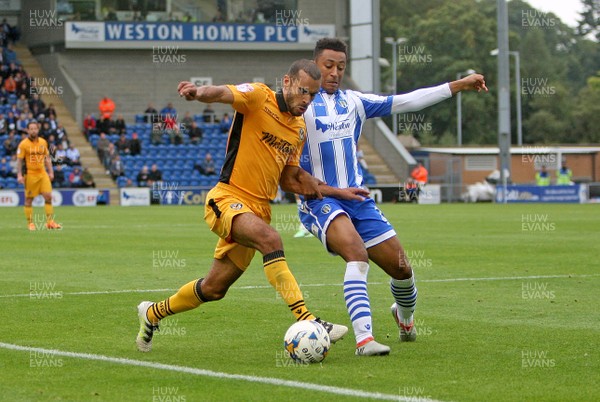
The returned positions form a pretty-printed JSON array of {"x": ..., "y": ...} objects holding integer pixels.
[{"x": 307, "y": 342}]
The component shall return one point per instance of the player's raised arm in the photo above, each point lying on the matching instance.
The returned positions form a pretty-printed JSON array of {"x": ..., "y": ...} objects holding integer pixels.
[{"x": 205, "y": 94}]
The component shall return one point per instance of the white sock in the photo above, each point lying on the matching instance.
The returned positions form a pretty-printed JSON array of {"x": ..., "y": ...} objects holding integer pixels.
[
  {"x": 405, "y": 294},
  {"x": 357, "y": 299}
]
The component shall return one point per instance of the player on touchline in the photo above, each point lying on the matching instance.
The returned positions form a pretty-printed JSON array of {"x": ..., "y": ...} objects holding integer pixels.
[
  {"x": 33, "y": 152},
  {"x": 263, "y": 150},
  {"x": 357, "y": 230}
]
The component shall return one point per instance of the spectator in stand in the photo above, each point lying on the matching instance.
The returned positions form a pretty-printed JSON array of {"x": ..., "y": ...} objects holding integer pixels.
[
  {"x": 208, "y": 114},
  {"x": 156, "y": 135},
  {"x": 5, "y": 170},
  {"x": 73, "y": 155},
  {"x": 207, "y": 166},
  {"x": 75, "y": 178},
  {"x": 110, "y": 155},
  {"x": 155, "y": 174},
  {"x": 120, "y": 125},
  {"x": 52, "y": 121},
  {"x": 22, "y": 102},
  {"x": 106, "y": 125},
  {"x": 10, "y": 85},
  {"x": 3, "y": 125},
  {"x": 50, "y": 110},
  {"x": 37, "y": 103},
  {"x": 11, "y": 143},
  {"x": 15, "y": 110},
  {"x": 135, "y": 145},
  {"x": 13, "y": 164},
  {"x": 122, "y": 144},
  {"x": 168, "y": 110},
  {"x": 172, "y": 128},
  {"x": 195, "y": 133},
  {"x": 106, "y": 106},
  {"x": 46, "y": 131},
  {"x": 89, "y": 125},
  {"x": 116, "y": 167},
  {"x": 10, "y": 56},
  {"x": 143, "y": 177},
  {"x": 60, "y": 156},
  {"x": 59, "y": 176},
  {"x": 23, "y": 89},
  {"x": 87, "y": 180},
  {"x": 61, "y": 135},
  {"x": 225, "y": 123},
  {"x": 187, "y": 120},
  {"x": 129, "y": 183},
  {"x": 150, "y": 114},
  {"x": 11, "y": 121},
  {"x": 102, "y": 147},
  {"x": 51, "y": 142},
  {"x": 22, "y": 123}
]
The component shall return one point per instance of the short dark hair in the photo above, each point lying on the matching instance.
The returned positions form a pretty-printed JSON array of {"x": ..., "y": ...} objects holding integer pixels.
[
  {"x": 308, "y": 66},
  {"x": 33, "y": 122},
  {"x": 334, "y": 44}
]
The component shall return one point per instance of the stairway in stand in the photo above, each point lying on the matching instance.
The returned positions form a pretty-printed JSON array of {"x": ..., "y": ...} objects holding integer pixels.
[
  {"x": 376, "y": 164},
  {"x": 89, "y": 158}
]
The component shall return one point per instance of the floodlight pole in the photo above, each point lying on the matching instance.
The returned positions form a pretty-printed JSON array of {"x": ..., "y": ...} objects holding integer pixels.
[{"x": 503, "y": 95}]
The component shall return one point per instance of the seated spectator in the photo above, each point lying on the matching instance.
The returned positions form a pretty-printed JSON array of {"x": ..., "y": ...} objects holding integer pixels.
[
  {"x": 73, "y": 155},
  {"x": 22, "y": 123},
  {"x": 168, "y": 110},
  {"x": 61, "y": 135},
  {"x": 116, "y": 167},
  {"x": 60, "y": 156},
  {"x": 11, "y": 121},
  {"x": 135, "y": 145},
  {"x": 50, "y": 110},
  {"x": 143, "y": 177},
  {"x": 120, "y": 126},
  {"x": 89, "y": 125},
  {"x": 13, "y": 164},
  {"x": 187, "y": 120},
  {"x": 11, "y": 143},
  {"x": 87, "y": 180},
  {"x": 122, "y": 145},
  {"x": 75, "y": 178},
  {"x": 208, "y": 114},
  {"x": 10, "y": 56},
  {"x": 207, "y": 166},
  {"x": 59, "y": 176},
  {"x": 3, "y": 125},
  {"x": 106, "y": 125},
  {"x": 46, "y": 131},
  {"x": 106, "y": 106},
  {"x": 225, "y": 123},
  {"x": 156, "y": 135},
  {"x": 22, "y": 103},
  {"x": 195, "y": 133},
  {"x": 5, "y": 170},
  {"x": 10, "y": 85},
  {"x": 150, "y": 114},
  {"x": 52, "y": 121},
  {"x": 155, "y": 175},
  {"x": 37, "y": 103}
]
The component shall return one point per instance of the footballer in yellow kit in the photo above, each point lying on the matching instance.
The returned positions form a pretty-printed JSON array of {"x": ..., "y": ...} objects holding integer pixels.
[{"x": 34, "y": 154}]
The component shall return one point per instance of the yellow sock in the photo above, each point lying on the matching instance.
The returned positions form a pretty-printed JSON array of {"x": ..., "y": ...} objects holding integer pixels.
[
  {"x": 49, "y": 212},
  {"x": 281, "y": 278},
  {"x": 28, "y": 214},
  {"x": 186, "y": 298}
]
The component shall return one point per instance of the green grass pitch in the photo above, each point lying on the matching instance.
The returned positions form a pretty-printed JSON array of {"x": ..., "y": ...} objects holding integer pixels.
[{"x": 508, "y": 309}]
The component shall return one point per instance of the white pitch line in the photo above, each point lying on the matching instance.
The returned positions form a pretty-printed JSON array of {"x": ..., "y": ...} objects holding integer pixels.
[
  {"x": 309, "y": 285},
  {"x": 216, "y": 374}
]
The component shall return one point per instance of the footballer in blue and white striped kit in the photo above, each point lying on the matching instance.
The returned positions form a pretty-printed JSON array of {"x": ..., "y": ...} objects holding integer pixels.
[{"x": 357, "y": 230}]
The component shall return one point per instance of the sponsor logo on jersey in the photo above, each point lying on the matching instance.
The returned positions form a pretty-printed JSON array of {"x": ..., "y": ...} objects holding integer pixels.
[
  {"x": 278, "y": 143},
  {"x": 244, "y": 87},
  {"x": 326, "y": 209},
  {"x": 302, "y": 133},
  {"x": 335, "y": 126}
]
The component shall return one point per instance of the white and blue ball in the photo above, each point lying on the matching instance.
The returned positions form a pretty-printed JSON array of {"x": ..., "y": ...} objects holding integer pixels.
[{"x": 307, "y": 342}]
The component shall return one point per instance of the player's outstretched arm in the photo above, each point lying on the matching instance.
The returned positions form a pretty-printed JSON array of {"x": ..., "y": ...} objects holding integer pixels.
[
  {"x": 473, "y": 82},
  {"x": 205, "y": 94},
  {"x": 296, "y": 180}
]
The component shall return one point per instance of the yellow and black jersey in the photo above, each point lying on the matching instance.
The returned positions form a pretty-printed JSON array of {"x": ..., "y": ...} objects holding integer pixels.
[
  {"x": 34, "y": 153},
  {"x": 264, "y": 137}
]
